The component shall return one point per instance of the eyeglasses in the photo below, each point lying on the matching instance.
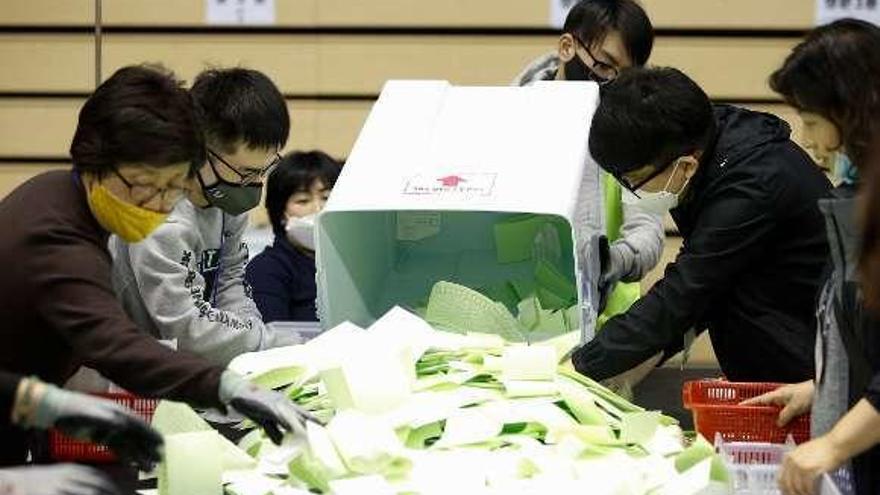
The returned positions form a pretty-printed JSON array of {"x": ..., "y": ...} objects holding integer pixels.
[
  {"x": 143, "y": 195},
  {"x": 603, "y": 71},
  {"x": 253, "y": 175},
  {"x": 634, "y": 187}
]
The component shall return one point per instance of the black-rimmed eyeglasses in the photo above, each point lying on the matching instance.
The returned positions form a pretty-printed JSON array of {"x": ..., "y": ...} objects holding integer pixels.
[{"x": 253, "y": 175}]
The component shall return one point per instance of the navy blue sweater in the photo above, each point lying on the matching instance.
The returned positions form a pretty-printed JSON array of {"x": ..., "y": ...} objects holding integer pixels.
[{"x": 283, "y": 282}]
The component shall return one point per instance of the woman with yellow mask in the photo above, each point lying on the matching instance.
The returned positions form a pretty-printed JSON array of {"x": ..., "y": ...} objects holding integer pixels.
[{"x": 137, "y": 140}]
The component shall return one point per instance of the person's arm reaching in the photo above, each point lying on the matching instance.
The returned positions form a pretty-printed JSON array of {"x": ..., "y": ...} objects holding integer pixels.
[
  {"x": 55, "y": 479},
  {"x": 731, "y": 234},
  {"x": 855, "y": 433},
  {"x": 75, "y": 297},
  {"x": 42, "y": 406},
  {"x": 796, "y": 399},
  {"x": 640, "y": 245},
  {"x": 77, "y": 300},
  {"x": 172, "y": 290}
]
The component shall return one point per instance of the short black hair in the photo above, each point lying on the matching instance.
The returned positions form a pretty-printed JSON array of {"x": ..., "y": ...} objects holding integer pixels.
[
  {"x": 140, "y": 115},
  {"x": 649, "y": 116},
  {"x": 591, "y": 20},
  {"x": 835, "y": 72},
  {"x": 241, "y": 106},
  {"x": 296, "y": 172}
]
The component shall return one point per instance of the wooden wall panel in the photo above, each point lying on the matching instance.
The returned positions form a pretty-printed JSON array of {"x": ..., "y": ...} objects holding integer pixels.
[
  {"x": 12, "y": 175},
  {"x": 728, "y": 68},
  {"x": 331, "y": 126},
  {"x": 714, "y": 14},
  {"x": 731, "y": 14},
  {"x": 47, "y": 12},
  {"x": 37, "y": 127},
  {"x": 46, "y": 62},
  {"x": 291, "y": 61},
  {"x": 43, "y": 127}
]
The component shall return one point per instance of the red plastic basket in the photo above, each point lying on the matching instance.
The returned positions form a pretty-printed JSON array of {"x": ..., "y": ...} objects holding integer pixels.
[
  {"x": 66, "y": 449},
  {"x": 716, "y": 409}
]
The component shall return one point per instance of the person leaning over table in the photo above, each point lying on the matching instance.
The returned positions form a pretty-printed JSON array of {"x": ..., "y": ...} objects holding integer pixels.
[
  {"x": 28, "y": 403},
  {"x": 744, "y": 197},
  {"x": 137, "y": 140},
  {"x": 833, "y": 78},
  {"x": 185, "y": 282},
  {"x": 599, "y": 39}
]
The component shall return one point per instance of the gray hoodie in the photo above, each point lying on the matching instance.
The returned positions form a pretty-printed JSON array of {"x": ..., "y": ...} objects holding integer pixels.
[
  {"x": 185, "y": 283},
  {"x": 641, "y": 240}
]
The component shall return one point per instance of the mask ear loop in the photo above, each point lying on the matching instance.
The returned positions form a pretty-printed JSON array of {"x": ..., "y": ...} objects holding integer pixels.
[
  {"x": 202, "y": 181},
  {"x": 669, "y": 180}
]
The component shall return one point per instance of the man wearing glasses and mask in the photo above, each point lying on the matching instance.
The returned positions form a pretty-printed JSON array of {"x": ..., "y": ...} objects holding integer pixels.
[
  {"x": 599, "y": 39},
  {"x": 745, "y": 199},
  {"x": 185, "y": 282}
]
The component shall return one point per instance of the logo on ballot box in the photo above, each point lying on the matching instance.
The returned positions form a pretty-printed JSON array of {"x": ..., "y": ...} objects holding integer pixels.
[{"x": 451, "y": 184}]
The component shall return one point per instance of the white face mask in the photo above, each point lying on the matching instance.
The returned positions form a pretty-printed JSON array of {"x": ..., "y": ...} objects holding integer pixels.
[
  {"x": 301, "y": 231},
  {"x": 658, "y": 202}
]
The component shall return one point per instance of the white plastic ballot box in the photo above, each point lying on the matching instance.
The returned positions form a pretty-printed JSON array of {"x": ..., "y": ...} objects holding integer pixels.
[{"x": 471, "y": 185}]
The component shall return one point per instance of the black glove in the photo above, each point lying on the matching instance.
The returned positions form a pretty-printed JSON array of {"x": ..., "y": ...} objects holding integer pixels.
[
  {"x": 59, "y": 479},
  {"x": 95, "y": 419},
  {"x": 608, "y": 277},
  {"x": 273, "y": 411}
]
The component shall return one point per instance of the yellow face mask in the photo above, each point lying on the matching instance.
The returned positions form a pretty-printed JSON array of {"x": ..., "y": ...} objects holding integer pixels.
[{"x": 131, "y": 223}]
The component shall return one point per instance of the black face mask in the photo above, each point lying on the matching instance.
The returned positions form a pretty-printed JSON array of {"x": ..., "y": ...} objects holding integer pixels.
[{"x": 576, "y": 70}]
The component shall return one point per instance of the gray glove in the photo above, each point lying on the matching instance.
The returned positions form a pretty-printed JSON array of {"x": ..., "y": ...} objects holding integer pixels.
[
  {"x": 59, "y": 479},
  {"x": 273, "y": 411},
  {"x": 90, "y": 418}
]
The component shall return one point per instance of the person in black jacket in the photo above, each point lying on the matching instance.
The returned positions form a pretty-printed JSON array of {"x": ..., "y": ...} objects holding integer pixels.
[{"x": 744, "y": 197}]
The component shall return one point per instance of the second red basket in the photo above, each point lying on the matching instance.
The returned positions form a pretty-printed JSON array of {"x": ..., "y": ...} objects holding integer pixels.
[
  {"x": 65, "y": 449},
  {"x": 716, "y": 409}
]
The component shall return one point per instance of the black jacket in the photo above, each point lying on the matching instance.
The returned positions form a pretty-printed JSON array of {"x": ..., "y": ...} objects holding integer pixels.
[{"x": 750, "y": 268}]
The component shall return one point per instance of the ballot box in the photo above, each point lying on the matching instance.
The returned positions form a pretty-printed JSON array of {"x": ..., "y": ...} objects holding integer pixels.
[{"x": 471, "y": 185}]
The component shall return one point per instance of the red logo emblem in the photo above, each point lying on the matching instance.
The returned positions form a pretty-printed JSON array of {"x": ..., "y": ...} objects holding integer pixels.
[{"x": 451, "y": 181}]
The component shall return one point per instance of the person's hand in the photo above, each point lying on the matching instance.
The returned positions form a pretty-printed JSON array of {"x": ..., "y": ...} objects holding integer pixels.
[
  {"x": 58, "y": 479},
  {"x": 802, "y": 467},
  {"x": 796, "y": 399},
  {"x": 273, "y": 411},
  {"x": 281, "y": 337},
  {"x": 91, "y": 418}
]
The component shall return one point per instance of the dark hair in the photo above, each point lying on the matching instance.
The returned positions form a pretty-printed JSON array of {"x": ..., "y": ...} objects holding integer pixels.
[
  {"x": 649, "y": 116},
  {"x": 835, "y": 72},
  {"x": 296, "y": 172},
  {"x": 241, "y": 106},
  {"x": 140, "y": 115},
  {"x": 591, "y": 20}
]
